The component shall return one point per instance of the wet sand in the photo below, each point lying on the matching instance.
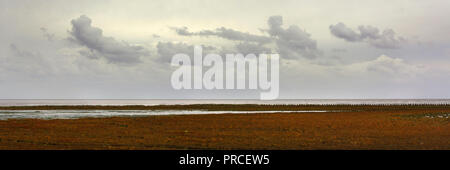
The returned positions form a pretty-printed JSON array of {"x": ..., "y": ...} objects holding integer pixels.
[{"x": 347, "y": 127}]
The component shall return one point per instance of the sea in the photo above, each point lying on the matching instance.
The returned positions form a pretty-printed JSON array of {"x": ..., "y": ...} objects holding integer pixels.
[
  {"x": 75, "y": 114},
  {"x": 152, "y": 102}
]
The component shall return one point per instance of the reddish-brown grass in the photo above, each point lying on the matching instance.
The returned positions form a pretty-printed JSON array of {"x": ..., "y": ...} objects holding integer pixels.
[{"x": 357, "y": 129}]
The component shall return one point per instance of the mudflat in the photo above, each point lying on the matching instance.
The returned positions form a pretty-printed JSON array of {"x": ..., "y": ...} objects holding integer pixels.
[{"x": 341, "y": 127}]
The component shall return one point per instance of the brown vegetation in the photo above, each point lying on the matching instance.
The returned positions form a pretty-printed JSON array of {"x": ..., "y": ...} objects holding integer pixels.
[{"x": 355, "y": 127}]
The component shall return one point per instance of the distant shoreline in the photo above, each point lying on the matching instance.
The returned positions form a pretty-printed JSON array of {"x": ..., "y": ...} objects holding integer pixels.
[
  {"x": 232, "y": 107},
  {"x": 157, "y": 102}
]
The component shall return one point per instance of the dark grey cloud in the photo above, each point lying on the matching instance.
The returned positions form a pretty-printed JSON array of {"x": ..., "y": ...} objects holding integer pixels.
[
  {"x": 275, "y": 23},
  {"x": 387, "y": 39},
  {"x": 101, "y": 46},
  {"x": 370, "y": 34},
  {"x": 226, "y": 33},
  {"x": 248, "y": 43},
  {"x": 341, "y": 31},
  {"x": 182, "y": 31},
  {"x": 292, "y": 42}
]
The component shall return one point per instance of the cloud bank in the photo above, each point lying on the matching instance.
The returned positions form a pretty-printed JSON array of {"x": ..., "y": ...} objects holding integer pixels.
[{"x": 291, "y": 43}]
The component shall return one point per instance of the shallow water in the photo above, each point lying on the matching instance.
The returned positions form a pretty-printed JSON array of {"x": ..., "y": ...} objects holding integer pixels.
[{"x": 75, "y": 114}]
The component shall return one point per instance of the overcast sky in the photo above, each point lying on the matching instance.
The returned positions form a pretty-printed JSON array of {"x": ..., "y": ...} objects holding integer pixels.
[{"x": 108, "y": 49}]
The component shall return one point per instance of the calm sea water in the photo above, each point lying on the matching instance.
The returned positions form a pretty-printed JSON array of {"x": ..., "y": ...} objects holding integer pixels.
[
  {"x": 74, "y": 114},
  {"x": 185, "y": 102}
]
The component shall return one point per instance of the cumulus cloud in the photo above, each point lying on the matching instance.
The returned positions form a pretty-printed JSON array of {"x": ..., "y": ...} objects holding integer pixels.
[
  {"x": 370, "y": 34},
  {"x": 101, "y": 46},
  {"x": 387, "y": 39},
  {"x": 341, "y": 31},
  {"x": 292, "y": 42}
]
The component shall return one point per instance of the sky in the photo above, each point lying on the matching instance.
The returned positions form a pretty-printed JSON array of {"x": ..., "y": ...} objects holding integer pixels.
[{"x": 111, "y": 49}]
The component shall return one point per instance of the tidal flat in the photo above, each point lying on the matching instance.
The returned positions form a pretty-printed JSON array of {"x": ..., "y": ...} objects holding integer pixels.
[{"x": 410, "y": 126}]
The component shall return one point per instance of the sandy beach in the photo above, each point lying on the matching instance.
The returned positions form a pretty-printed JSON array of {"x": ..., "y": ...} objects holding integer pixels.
[{"x": 341, "y": 127}]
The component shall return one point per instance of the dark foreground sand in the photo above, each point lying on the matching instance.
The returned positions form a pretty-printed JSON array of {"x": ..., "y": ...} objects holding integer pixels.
[{"x": 381, "y": 127}]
